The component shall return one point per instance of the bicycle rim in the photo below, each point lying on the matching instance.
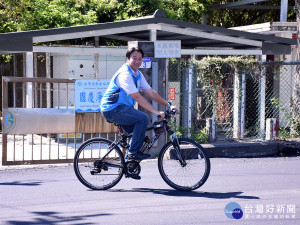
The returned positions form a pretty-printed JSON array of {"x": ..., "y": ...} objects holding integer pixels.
[
  {"x": 184, "y": 178},
  {"x": 93, "y": 169}
]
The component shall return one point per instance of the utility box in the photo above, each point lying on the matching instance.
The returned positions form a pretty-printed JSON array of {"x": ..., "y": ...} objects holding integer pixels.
[{"x": 81, "y": 67}]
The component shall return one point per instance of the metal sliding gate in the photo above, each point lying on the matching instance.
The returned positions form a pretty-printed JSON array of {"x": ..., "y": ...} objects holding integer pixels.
[{"x": 45, "y": 132}]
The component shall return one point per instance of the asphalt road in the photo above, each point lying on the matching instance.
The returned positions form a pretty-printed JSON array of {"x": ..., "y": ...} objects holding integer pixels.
[{"x": 266, "y": 190}]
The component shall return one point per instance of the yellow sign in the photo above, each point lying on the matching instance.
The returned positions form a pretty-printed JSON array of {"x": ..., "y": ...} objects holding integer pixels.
[{"x": 71, "y": 135}]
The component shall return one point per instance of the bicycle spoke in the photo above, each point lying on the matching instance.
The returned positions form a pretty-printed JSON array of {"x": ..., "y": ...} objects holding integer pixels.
[
  {"x": 99, "y": 172},
  {"x": 189, "y": 176}
]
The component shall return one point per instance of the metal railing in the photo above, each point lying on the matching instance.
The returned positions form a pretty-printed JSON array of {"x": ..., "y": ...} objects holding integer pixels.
[{"x": 19, "y": 93}]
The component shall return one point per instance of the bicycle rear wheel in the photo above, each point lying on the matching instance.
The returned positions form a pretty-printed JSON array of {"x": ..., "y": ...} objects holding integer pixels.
[
  {"x": 99, "y": 164},
  {"x": 184, "y": 177}
]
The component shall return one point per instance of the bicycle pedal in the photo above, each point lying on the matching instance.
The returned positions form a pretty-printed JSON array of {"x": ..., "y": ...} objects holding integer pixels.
[
  {"x": 132, "y": 161},
  {"x": 133, "y": 176}
]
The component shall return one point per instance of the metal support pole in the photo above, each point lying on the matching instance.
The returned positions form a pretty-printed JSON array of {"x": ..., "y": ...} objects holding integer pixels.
[
  {"x": 154, "y": 81},
  {"x": 283, "y": 10},
  {"x": 152, "y": 35},
  {"x": 243, "y": 104},
  {"x": 190, "y": 101},
  {"x": 236, "y": 105},
  {"x": 48, "y": 75},
  {"x": 96, "y": 66},
  {"x": 262, "y": 102},
  {"x": 4, "y": 134},
  {"x": 213, "y": 127},
  {"x": 29, "y": 73},
  {"x": 29, "y": 95}
]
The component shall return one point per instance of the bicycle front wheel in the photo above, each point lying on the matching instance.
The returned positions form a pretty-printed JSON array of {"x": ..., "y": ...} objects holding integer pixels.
[
  {"x": 188, "y": 176},
  {"x": 99, "y": 164}
]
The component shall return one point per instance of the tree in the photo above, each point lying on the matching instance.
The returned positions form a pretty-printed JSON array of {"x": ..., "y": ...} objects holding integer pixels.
[
  {"x": 187, "y": 10},
  {"x": 25, "y": 15},
  {"x": 231, "y": 17},
  {"x": 43, "y": 14}
]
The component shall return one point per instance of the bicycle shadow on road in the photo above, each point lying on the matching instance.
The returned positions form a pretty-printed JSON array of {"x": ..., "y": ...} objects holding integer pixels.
[
  {"x": 18, "y": 183},
  {"x": 175, "y": 193},
  {"x": 53, "y": 218}
]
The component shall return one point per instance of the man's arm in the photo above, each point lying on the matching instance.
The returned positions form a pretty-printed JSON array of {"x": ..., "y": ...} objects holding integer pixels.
[
  {"x": 153, "y": 95},
  {"x": 157, "y": 98},
  {"x": 145, "y": 104}
]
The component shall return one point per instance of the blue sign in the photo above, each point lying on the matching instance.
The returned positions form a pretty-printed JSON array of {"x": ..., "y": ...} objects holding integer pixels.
[
  {"x": 146, "y": 63},
  {"x": 88, "y": 94}
]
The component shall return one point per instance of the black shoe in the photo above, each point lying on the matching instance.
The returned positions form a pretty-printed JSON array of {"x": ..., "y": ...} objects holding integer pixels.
[
  {"x": 134, "y": 176},
  {"x": 138, "y": 156}
]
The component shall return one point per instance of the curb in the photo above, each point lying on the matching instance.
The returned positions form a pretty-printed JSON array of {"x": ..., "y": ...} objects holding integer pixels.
[
  {"x": 241, "y": 149},
  {"x": 221, "y": 150}
]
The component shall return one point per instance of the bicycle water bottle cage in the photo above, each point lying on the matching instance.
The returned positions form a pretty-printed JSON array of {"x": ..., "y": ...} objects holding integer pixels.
[{"x": 159, "y": 127}]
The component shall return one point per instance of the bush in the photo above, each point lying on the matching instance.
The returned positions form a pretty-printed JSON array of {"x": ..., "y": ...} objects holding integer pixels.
[{"x": 201, "y": 136}]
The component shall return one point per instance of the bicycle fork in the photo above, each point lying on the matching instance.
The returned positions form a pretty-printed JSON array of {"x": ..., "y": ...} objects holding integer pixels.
[{"x": 176, "y": 146}]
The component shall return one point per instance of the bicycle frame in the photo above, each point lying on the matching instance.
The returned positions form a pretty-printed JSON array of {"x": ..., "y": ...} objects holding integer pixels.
[
  {"x": 124, "y": 137},
  {"x": 146, "y": 148}
]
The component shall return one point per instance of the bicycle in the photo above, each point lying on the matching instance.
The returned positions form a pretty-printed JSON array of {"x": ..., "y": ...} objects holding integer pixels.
[{"x": 183, "y": 164}]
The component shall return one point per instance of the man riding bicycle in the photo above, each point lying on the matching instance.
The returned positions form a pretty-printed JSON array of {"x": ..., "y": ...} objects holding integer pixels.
[{"x": 123, "y": 92}]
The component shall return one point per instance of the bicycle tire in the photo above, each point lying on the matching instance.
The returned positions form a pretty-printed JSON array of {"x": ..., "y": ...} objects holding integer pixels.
[
  {"x": 94, "y": 172},
  {"x": 184, "y": 178}
]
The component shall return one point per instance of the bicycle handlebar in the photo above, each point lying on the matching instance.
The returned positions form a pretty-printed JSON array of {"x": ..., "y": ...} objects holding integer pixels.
[{"x": 168, "y": 114}]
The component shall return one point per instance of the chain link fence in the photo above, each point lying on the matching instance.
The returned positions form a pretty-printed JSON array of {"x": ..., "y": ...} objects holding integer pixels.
[
  {"x": 280, "y": 98},
  {"x": 263, "y": 93},
  {"x": 181, "y": 81}
]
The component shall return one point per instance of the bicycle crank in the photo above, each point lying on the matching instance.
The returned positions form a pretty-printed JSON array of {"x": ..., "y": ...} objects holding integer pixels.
[{"x": 132, "y": 168}]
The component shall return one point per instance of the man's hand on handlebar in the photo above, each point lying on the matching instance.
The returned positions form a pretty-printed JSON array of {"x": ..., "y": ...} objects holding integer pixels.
[
  {"x": 161, "y": 115},
  {"x": 174, "y": 109}
]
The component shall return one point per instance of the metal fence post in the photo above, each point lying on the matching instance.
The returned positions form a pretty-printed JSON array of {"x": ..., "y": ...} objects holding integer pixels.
[
  {"x": 271, "y": 128},
  {"x": 236, "y": 105},
  {"x": 29, "y": 87},
  {"x": 4, "y": 107},
  {"x": 243, "y": 105},
  {"x": 262, "y": 100},
  {"x": 96, "y": 66},
  {"x": 48, "y": 75},
  {"x": 190, "y": 101}
]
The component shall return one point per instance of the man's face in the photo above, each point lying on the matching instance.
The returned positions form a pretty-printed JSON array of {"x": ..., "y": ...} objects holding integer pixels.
[{"x": 135, "y": 60}]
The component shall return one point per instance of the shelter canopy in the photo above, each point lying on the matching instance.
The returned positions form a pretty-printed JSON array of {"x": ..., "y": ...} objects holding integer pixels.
[{"x": 195, "y": 38}]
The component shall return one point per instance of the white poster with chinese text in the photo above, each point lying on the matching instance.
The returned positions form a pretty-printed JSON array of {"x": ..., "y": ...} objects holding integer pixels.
[
  {"x": 88, "y": 94},
  {"x": 167, "y": 49}
]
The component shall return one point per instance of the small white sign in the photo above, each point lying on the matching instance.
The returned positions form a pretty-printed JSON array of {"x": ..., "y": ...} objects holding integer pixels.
[
  {"x": 146, "y": 63},
  {"x": 167, "y": 49},
  {"x": 88, "y": 94}
]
